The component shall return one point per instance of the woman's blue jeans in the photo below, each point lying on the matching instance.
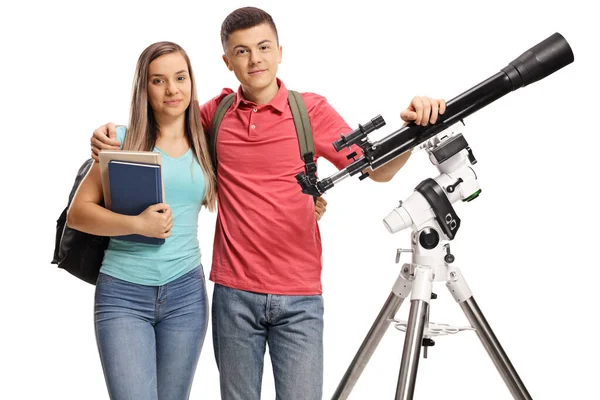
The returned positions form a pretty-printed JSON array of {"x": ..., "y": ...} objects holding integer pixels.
[{"x": 150, "y": 337}]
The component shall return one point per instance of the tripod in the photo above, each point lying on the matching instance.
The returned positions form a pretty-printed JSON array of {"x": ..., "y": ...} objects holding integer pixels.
[{"x": 434, "y": 223}]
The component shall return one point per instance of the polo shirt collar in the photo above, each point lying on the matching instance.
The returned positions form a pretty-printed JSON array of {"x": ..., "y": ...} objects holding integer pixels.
[{"x": 279, "y": 102}]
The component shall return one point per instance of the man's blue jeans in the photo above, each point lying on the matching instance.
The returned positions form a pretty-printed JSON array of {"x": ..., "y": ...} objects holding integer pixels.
[
  {"x": 150, "y": 337},
  {"x": 244, "y": 323}
]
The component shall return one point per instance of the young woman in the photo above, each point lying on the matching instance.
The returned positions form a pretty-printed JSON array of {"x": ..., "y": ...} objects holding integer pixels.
[{"x": 151, "y": 308}]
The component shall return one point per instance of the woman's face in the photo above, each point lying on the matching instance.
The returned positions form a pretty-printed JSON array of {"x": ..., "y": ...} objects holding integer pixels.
[{"x": 169, "y": 86}]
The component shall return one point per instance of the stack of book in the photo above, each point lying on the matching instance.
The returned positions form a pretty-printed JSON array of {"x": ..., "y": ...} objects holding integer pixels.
[{"x": 133, "y": 187}]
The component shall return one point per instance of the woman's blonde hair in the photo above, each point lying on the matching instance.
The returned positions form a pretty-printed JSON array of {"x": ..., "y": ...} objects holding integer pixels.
[{"x": 143, "y": 129}]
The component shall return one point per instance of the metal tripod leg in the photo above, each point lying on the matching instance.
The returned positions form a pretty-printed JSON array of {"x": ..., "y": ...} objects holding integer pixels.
[
  {"x": 461, "y": 292},
  {"x": 417, "y": 318},
  {"x": 400, "y": 291}
]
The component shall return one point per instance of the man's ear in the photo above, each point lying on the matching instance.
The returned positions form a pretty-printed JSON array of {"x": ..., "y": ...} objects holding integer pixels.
[
  {"x": 226, "y": 61},
  {"x": 280, "y": 53}
]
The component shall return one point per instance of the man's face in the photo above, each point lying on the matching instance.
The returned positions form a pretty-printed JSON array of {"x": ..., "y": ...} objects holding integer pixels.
[{"x": 253, "y": 55}]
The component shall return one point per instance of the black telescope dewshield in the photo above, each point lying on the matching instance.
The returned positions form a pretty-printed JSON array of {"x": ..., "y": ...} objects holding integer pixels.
[{"x": 536, "y": 63}]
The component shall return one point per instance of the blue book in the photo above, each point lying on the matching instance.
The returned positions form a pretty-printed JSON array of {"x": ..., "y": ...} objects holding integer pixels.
[{"x": 133, "y": 188}]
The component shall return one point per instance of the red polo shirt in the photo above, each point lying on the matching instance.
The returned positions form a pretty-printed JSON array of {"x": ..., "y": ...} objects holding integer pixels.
[{"x": 267, "y": 239}]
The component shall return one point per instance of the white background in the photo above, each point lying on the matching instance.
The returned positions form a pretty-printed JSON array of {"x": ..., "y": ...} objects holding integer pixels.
[{"x": 528, "y": 245}]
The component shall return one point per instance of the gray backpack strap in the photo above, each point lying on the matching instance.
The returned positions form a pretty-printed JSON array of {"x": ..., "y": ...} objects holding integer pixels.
[
  {"x": 216, "y": 122},
  {"x": 304, "y": 132},
  {"x": 303, "y": 128}
]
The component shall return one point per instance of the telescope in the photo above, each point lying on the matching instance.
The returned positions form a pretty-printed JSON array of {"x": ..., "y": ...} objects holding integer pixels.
[
  {"x": 535, "y": 64},
  {"x": 430, "y": 213}
]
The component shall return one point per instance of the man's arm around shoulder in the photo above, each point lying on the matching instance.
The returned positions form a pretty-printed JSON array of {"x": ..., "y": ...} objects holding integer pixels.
[{"x": 104, "y": 138}]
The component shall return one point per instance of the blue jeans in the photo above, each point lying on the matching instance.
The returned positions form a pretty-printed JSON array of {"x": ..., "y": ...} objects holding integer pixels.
[
  {"x": 244, "y": 323},
  {"x": 150, "y": 337}
]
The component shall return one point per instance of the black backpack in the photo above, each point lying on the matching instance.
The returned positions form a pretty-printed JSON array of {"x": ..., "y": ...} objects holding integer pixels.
[{"x": 77, "y": 252}]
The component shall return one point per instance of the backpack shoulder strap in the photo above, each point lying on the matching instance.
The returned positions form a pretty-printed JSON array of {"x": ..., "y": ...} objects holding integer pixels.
[
  {"x": 304, "y": 132},
  {"x": 216, "y": 122},
  {"x": 302, "y": 123}
]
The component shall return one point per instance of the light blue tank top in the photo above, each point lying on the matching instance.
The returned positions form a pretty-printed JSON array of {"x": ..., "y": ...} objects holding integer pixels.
[{"x": 156, "y": 265}]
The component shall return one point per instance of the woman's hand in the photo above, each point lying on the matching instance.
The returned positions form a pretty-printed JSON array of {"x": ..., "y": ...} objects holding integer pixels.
[{"x": 156, "y": 221}]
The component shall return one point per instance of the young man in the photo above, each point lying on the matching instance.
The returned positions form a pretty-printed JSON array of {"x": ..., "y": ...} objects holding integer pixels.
[{"x": 267, "y": 248}]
